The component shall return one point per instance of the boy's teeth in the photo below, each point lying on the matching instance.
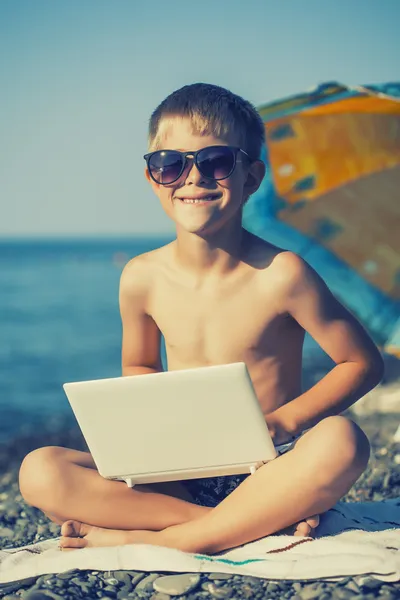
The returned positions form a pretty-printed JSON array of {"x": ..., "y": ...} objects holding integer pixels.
[{"x": 192, "y": 201}]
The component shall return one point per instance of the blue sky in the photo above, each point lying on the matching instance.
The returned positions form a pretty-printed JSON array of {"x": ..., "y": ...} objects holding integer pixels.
[{"x": 79, "y": 79}]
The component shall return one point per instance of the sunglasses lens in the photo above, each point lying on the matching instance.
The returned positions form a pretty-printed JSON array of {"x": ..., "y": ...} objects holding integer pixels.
[
  {"x": 165, "y": 166},
  {"x": 216, "y": 162}
]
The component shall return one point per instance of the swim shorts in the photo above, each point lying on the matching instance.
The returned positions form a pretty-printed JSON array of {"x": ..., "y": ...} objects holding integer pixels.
[{"x": 210, "y": 491}]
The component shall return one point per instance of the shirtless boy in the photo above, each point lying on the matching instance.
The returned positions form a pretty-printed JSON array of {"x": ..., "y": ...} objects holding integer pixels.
[{"x": 220, "y": 295}]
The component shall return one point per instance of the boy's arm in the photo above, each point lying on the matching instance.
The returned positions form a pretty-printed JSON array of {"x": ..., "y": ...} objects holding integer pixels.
[
  {"x": 359, "y": 365},
  {"x": 140, "y": 335}
]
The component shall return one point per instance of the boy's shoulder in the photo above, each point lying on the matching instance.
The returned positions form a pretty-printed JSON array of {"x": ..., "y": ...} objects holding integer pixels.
[
  {"x": 138, "y": 273},
  {"x": 285, "y": 266}
]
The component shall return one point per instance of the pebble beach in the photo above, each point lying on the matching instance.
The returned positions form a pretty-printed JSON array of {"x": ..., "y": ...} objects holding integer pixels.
[{"x": 21, "y": 524}]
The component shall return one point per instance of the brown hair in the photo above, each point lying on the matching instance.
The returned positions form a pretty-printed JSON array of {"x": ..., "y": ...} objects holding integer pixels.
[{"x": 212, "y": 110}]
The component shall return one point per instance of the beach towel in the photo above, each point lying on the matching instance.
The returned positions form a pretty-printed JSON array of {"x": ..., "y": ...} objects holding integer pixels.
[{"x": 353, "y": 539}]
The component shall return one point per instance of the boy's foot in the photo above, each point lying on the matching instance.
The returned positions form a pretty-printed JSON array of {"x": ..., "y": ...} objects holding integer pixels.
[
  {"x": 75, "y": 534},
  {"x": 307, "y": 527}
]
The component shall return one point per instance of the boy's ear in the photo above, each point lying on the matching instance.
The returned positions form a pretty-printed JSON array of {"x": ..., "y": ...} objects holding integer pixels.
[
  {"x": 151, "y": 181},
  {"x": 255, "y": 175}
]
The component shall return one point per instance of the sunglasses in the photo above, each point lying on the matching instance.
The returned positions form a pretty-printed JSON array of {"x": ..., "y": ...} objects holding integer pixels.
[{"x": 213, "y": 162}]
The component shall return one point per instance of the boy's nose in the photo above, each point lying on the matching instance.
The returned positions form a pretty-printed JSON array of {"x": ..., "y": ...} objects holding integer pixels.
[{"x": 193, "y": 175}]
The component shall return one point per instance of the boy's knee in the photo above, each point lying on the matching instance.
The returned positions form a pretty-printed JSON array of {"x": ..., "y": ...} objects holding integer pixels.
[
  {"x": 40, "y": 475},
  {"x": 347, "y": 441}
]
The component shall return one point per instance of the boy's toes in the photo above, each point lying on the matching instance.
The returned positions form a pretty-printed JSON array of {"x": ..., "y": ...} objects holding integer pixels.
[
  {"x": 71, "y": 529},
  {"x": 68, "y": 543},
  {"x": 313, "y": 521},
  {"x": 303, "y": 529}
]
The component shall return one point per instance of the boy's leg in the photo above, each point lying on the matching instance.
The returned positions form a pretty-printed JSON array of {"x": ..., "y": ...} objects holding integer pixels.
[
  {"x": 65, "y": 484},
  {"x": 308, "y": 480}
]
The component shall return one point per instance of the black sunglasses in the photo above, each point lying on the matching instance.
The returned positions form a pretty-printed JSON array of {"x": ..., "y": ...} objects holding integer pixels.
[{"x": 213, "y": 162}]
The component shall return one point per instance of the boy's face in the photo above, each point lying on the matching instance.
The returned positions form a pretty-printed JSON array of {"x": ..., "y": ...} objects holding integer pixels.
[{"x": 228, "y": 195}]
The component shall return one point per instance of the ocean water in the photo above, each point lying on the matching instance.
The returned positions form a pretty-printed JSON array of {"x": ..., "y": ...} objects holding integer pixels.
[{"x": 59, "y": 322}]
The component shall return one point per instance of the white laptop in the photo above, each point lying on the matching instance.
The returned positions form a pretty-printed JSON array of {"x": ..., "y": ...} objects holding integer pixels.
[{"x": 173, "y": 425}]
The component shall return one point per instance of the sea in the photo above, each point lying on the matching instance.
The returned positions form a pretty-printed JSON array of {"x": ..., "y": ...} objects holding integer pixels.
[{"x": 60, "y": 322}]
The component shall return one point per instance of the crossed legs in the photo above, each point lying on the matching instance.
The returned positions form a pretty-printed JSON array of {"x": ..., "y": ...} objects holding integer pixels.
[{"x": 306, "y": 481}]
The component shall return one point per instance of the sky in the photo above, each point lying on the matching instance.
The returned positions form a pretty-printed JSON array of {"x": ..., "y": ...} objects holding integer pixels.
[{"x": 79, "y": 80}]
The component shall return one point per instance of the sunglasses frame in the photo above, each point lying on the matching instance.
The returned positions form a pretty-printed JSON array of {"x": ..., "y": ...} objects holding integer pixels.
[{"x": 193, "y": 155}]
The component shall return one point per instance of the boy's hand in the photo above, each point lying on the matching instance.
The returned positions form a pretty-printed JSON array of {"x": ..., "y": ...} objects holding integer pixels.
[{"x": 279, "y": 432}]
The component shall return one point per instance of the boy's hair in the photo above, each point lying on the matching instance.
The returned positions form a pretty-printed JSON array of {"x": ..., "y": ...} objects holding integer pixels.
[{"x": 212, "y": 110}]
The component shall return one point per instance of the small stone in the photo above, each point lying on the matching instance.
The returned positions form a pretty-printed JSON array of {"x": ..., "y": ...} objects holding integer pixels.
[
  {"x": 137, "y": 579},
  {"x": 370, "y": 584},
  {"x": 219, "y": 576},
  {"x": 146, "y": 584},
  {"x": 396, "y": 459},
  {"x": 246, "y": 590},
  {"x": 6, "y": 532},
  {"x": 311, "y": 592},
  {"x": 160, "y": 596},
  {"x": 343, "y": 593},
  {"x": 124, "y": 592},
  {"x": 112, "y": 581},
  {"x": 250, "y": 580},
  {"x": 122, "y": 577},
  {"x": 387, "y": 595},
  {"x": 110, "y": 590},
  {"x": 216, "y": 591},
  {"x": 36, "y": 595},
  {"x": 10, "y": 587},
  {"x": 353, "y": 587},
  {"x": 67, "y": 574},
  {"x": 176, "y": 585}
]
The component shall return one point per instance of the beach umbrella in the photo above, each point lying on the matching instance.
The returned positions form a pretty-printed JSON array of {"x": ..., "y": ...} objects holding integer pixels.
[{"x": 332, "y": 194}]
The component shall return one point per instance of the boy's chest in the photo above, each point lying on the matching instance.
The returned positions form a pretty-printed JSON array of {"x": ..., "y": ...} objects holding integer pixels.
[{"x": 202, "y": 328}]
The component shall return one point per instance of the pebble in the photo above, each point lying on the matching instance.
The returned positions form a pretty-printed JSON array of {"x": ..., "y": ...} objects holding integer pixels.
[
  {"x": 311, "y": 592},
  {"x": 124, "y": 592},
  {"x": 160, "y": 596},
  {"x": 112, "y": 581},
  {"x": 352, "y": 586},
  {"x": 219, "y": 592},
  {"x": 219, "y": 576},
  {"x": 273, "y": 587},
  {"x": 122, "y": 577},
  {"x": 36, "y": 595},
  {"x": 369, "y": 583},
  {"x": 146, "y": 584},
  {"x": 176, "y": 585},
  {"x": 137, "y": 578},
  {"x": 67, "y": 574}
]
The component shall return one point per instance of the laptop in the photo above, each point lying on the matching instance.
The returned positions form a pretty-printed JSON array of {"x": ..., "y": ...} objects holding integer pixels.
[{"x": 173, "y": 425}]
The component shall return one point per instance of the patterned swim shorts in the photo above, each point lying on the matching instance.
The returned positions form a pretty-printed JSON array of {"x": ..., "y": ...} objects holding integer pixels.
[{"x": 211, "y": 491}]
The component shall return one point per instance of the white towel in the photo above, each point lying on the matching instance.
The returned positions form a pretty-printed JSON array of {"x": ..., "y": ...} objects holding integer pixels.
[{"x": 353, "y": 539}]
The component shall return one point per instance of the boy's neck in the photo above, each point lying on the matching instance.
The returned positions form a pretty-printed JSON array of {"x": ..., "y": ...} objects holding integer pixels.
[{"x": 218, "y": 253}]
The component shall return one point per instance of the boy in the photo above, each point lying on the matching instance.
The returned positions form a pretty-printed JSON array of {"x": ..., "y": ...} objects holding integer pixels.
[{"x": 220, "y": 295}]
